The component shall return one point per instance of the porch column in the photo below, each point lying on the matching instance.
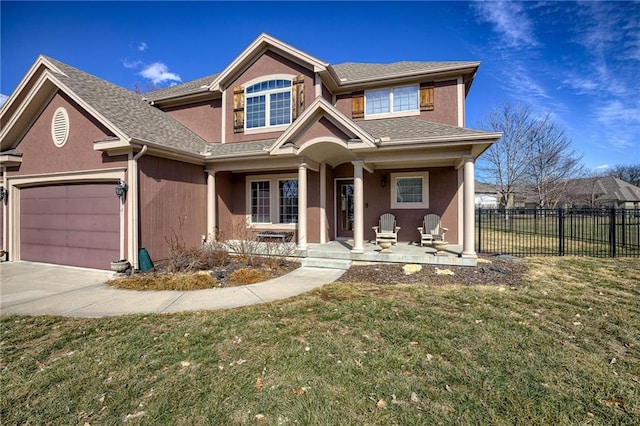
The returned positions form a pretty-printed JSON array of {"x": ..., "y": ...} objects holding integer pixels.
[
  {"x": 468, "y": 210},
  {"x": 302, "y": 206},
  {"x": 358, "y": 208},
  {"x": 323, "y": 202},
  {"x": 211, "y": 205}
]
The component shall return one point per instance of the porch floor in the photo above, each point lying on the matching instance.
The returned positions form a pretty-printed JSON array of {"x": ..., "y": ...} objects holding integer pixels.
[{"x": 402, "y": 252}]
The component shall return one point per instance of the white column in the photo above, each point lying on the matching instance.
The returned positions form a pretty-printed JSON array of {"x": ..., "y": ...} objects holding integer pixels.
[
  {"x": 211, "y": 205},
  {"x": 468, "y": 242},
  {"x": 5, "y": 185},
  {"x": 323, "y": 203},
  {"x": 132, "y": 214},
  {"x": 358, "y": 208},
  {"x": 302, "y": 206}
]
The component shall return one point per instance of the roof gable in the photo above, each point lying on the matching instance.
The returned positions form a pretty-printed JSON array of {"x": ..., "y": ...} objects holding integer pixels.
[
  {"x": 263, "y": 43},
  {"x": 318, "y": 109},
  {"x": 122, "y": 111}
]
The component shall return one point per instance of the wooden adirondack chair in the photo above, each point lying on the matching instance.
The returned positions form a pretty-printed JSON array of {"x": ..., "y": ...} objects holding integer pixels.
[
  {"x": 387, "y": 229},
  {"x": 431, "y": 229}
]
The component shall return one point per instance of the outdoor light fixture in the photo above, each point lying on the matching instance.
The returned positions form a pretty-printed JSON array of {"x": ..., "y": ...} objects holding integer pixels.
[
  {"x": 121, "y": 190},
  {"x": 383, "y": 181},
  {"x": 4, "y": 193}
]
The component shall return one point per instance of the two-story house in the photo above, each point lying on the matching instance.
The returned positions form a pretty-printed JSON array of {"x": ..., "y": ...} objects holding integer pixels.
[{"x": 277, "y": 141}]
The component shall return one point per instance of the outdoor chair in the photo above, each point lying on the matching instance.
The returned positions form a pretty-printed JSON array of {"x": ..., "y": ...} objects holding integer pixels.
[
  {"x": 387, "y": 229},
  {"x": 431, "y": 230}
]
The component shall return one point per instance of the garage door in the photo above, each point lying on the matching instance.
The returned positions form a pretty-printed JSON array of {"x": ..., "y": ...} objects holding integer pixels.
[{"x": 74, "y": 224}]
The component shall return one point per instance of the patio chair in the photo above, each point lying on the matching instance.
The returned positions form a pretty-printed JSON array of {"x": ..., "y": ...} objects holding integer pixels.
[
  {"x": 431, "y": 229},
  {"x": 387, "y": 229}
]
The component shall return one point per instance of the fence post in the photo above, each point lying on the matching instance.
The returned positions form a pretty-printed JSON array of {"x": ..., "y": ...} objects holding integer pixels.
[
  {"x": 560, "y": 231},
  {"x": 612, "y": 232},
  {"x": 479, "y": 229}
]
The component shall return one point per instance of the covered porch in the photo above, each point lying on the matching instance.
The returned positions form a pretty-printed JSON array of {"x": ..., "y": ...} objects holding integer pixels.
[{"x": 336, "y": 253}]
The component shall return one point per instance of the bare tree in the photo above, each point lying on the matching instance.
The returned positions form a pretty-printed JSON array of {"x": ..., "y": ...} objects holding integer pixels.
[
  {"x": 505, "y": 163},
  {"x": 630, "y": 173},
  {"x": 552, "y": 162},
  {"x": 533, "y": 153}
]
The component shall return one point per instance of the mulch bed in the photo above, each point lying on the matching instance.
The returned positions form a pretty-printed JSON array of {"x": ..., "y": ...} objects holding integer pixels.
[{"x": 501, "y": 271}]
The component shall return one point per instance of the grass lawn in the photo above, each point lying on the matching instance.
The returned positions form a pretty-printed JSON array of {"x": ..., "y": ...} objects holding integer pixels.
[{"x": 561, "y": 348}]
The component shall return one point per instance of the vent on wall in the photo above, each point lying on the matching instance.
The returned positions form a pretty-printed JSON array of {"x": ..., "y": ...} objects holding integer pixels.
[{"x": 60, "y": 127}]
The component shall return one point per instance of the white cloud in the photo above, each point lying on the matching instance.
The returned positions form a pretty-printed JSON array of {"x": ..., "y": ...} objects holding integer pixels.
[
  {"x": 142, "y": 46},
  {"x": 131, "y": 64},
  {"x": 3, "y": 98},
  {"x": 604, "y": 166},
  {"x": 159, "y": 73},
  {"x": 509, "y": 20}
]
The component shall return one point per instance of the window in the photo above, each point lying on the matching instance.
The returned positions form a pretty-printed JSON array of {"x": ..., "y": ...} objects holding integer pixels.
[
  {"x": 288, "y": 201},
  {"x": 391, "y": 101},
  {"x": 260, "y": 202},
  {"x": 268, "y": 104},
  {"x": 277, "y": 207},
  {"x": 410, "y": 190}
]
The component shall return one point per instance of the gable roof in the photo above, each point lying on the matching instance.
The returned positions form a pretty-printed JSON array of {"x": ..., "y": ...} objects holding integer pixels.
[
  {"x": 263, "y": 43},
  {"x": 607, "y": 188},
  {"x": 122, "y": 111}
]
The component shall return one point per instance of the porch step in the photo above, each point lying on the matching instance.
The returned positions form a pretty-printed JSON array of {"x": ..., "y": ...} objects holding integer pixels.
[
  {"x": 316, "y": 262},
  {"x": 329, "y": 254}
]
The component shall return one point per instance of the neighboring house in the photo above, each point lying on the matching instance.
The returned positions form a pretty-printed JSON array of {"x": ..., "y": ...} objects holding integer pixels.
[
  {"x": 486, "y": 196},
  {"x": 605, "y": 191},
  {"x": 279, "y": 140}
]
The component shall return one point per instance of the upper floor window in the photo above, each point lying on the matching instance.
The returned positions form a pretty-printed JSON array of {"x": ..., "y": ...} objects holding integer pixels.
[
  {"x": 268, "y": 104},
  {"x": 392, "y": 100}
]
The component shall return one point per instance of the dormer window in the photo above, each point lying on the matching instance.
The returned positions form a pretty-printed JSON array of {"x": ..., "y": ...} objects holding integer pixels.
[
  {"x": 268, "y": 104},
  {"x": 391, "y": 101}
]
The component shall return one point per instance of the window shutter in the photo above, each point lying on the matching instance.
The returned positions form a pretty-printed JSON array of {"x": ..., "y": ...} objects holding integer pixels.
[
  {"x": 357, "y": 105},
  {"x": 426, "y": 97},
  {"x": 238, "y": 109},
  {"x": 297, "y": 95}
]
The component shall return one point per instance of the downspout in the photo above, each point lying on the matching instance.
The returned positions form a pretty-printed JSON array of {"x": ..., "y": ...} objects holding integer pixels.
[{"x": 134, "y": 209}]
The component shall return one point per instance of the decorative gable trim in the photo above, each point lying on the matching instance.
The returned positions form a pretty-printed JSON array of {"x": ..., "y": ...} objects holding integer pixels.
[
  {"x": 260, "y": 45},
  {"x": 320, "y": 107}
]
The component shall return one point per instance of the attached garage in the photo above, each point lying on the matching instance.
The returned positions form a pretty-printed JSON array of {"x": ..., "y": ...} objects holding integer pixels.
[{"x": 70, "y": 224}]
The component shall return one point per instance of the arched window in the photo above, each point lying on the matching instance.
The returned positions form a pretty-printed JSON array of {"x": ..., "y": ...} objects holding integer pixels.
[{"x": 268, "y": 104}]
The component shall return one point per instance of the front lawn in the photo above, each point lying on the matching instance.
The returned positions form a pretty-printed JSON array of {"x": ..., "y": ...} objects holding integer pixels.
[{"x": 562, "y": 347}]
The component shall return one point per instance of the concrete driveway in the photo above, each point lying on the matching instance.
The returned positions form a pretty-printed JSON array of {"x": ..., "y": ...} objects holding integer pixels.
[{"x": 37, "y": 289}]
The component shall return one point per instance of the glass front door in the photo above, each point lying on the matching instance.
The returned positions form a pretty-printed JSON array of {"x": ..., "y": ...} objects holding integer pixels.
[{"x": 344, "y": 204}]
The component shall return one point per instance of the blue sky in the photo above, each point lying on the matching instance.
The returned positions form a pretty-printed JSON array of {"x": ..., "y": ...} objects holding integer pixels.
[{"x": 579, "y": 62}]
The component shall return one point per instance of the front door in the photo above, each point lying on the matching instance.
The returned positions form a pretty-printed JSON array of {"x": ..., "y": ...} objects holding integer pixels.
[{"x": 344, "y": 204}]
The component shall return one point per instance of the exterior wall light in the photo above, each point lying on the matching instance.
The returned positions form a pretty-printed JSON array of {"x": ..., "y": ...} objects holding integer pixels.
[
  {"x": 4, "y": 193},
  {"x": 383, "y": 181},
  {"x": 121, "y": 190}
]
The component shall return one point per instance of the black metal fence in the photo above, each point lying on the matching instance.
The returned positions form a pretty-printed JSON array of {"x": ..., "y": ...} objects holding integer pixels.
[{"x": 559, "y": 232}]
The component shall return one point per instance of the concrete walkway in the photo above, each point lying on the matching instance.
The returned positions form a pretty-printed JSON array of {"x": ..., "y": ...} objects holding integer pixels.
[{"x": 37, "y": 289}]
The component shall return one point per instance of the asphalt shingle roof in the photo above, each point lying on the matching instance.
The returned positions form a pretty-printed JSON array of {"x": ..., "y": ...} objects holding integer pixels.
[
  {"x": 224, "y": 149},
  {"x": 413, "y": 128},
  {"x": 353, "y": 71},
  {"x": 127, "y": 111},
  {"x": 187, "y": 88}
]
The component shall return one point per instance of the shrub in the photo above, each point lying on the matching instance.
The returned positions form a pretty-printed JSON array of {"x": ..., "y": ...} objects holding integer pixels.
[{"x": 249, "y": 276}]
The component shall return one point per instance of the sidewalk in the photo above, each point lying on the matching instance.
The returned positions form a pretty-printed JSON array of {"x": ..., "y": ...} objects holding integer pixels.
[{"x": 39, "y": 289}]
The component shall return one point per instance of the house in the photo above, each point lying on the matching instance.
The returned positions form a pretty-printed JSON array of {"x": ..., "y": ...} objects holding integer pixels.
[
  {"x": 606, "y": 191},
  {"x": 486, "y": 195},
  {"x": 277, "y": 141}
]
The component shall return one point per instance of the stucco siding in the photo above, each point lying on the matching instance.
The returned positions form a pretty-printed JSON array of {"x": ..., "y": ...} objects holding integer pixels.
[
  {"x": 172, "y": 203},
  {"x": 268, "y": 64},
  {"x": 203, "y": 118},
  {"x": 321, "y": 128},
  {"x": 40, "y": 155}
]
